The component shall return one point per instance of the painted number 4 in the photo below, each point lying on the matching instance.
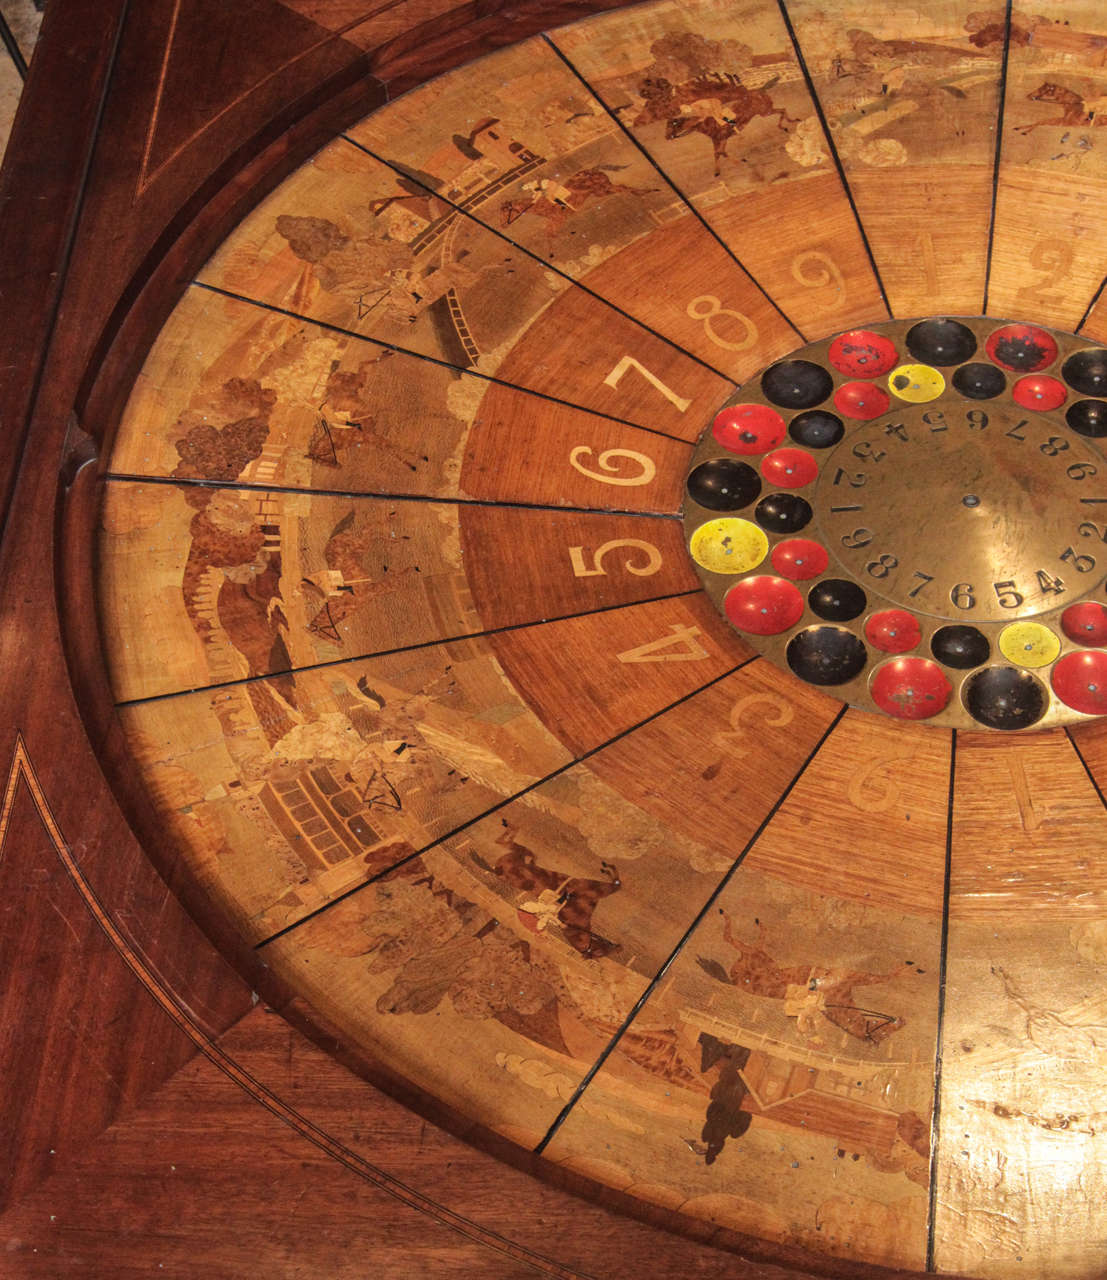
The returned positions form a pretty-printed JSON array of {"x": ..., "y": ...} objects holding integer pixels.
[{"x": 681, "y": 646}]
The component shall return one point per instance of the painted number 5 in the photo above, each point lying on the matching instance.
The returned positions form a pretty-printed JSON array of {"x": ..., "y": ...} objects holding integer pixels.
[{"x": 651, "y": 565}]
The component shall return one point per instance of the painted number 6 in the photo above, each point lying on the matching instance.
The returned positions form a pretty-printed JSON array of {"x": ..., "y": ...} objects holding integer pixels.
[{"x": 606, "y": 463}]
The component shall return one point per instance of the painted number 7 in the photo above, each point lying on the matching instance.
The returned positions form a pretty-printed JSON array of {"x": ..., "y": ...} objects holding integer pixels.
[{"x": 628, "y": 362}]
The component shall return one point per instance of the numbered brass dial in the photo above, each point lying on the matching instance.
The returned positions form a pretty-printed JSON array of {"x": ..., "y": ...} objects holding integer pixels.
[{"x": 970, "y": 514}]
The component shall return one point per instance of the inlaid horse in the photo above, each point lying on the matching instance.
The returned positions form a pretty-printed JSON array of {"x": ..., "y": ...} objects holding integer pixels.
[
  {"x": 557, "y": 202},
  {"x": 1074, "y": 111},
  {"x": 717, "y": 106},
  {"x": 574, "y": 896}
]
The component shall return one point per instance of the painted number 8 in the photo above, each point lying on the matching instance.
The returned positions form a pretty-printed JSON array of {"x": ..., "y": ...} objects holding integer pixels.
[{"x": 707, "y": 307}]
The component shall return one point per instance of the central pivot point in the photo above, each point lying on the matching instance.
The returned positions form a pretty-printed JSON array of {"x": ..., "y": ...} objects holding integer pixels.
[{"x": 971, "y": 500}]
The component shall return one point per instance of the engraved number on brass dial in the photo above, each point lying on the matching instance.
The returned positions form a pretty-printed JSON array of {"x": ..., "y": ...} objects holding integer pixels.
[{"x": 998, "y": 493}]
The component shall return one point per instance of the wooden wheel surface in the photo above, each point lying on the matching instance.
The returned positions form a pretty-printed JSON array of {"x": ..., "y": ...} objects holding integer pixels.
[{"x": 410, "y": 657}]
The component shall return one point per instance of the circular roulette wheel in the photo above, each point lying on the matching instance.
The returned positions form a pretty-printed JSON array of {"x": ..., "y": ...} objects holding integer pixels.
[
  {"x": 939, "y": 510},
  {"x": 636, "y": 672}
]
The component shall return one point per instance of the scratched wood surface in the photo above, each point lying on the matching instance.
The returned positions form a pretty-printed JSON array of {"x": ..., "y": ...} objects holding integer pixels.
[
  {"x": 715, "y": 93},
  {"x": 1024, "y": 1035},
  {"x": 1048, "y": 255},
  {"x": 425, "y": 695},
  {"x": 910, "y": 95}
]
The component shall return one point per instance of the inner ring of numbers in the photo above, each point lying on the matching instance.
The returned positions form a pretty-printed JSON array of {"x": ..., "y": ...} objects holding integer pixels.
[{"x": 870, "y": 490}]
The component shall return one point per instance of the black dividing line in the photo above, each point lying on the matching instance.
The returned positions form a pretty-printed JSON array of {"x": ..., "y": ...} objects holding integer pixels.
[
  {"x": 834, "y": 153},
  {"x": 1095, "y": 298},
  {"x": 688, "y": 203},
  {"x": 12, "y": 46},
  {"x": 500, "y": 804},
  {"x": 182, "y": 1015},
  {"x": 419, "y": 355},
  {"x": 403, "y": 648},
  {"x": 999, "y": 153},
  {"x": 562, "y": 1115},
  {"x": 543, "y": 262},
  {"x": 174, "y": 482},
  {"x": 936, "y": 1115},
  {"x": 1091, "y": 776},
  {"x": 61, "y": 273}
]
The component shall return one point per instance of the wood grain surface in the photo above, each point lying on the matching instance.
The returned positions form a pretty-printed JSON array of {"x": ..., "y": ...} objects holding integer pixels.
[
  {"x": 1055, "y": 62},
  {"x": 749, "y": 151},
  {"x": 404, "y": 864}
]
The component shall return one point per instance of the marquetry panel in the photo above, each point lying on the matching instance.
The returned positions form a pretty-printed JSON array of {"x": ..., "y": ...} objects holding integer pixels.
[
  {"x": 289, "y": 791},
  {"x": 783, "y": 1068},
  {"x": 715, "y": 94},
  {"x": 1048, "y": 258},
  {"x": 418, "y": 674},
  {"x": 436, "y": 973},
  {"x": 911, "y": 97},
  {"x": 405, "y": 267},
  {"x": 202, "y": 586},
  {"x": 537, "y": 886},
  {"x": 237, "y": 392},
  {"x": 533, "y": 154}
]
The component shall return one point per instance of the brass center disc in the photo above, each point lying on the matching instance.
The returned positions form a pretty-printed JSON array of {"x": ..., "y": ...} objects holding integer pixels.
[{"x": 953, "y": 511}]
